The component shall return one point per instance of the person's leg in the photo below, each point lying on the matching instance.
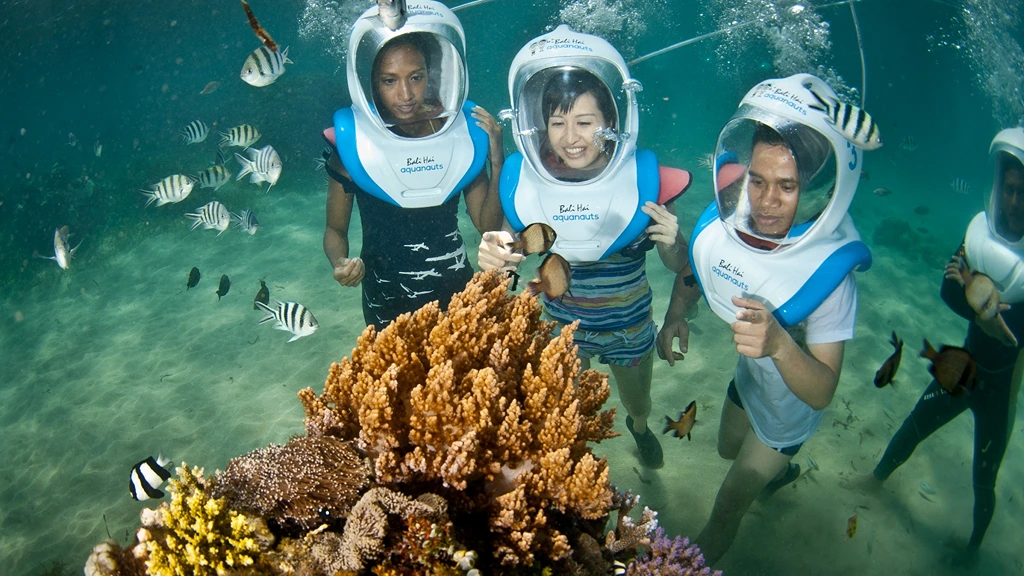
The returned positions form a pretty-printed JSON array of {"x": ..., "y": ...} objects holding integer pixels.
[
  {"x": 991, "y": 435},
  {"x": 933, "y": 410},
  {"x": 756, "y": 464},
  {"x": 732, "y": 427},
  {"x": 634, "y": 384}
]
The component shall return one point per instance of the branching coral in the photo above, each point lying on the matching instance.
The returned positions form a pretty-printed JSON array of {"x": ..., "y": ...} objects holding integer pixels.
[
  {"x": 199, "y": 535},
  {"x": 628, "y": 534},
  {"x": 452, "y": 398},
  {"x": 475, "y": 425},
  {"x": 295, "y": 486},
  {"x": 676, "y": 557}
]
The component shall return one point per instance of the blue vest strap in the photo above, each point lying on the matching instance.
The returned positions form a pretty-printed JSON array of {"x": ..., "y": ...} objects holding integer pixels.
[
  {"x": 648, "y": 185},
  {"x": 507, "y": 190},
  {"x": 481, "y": 145},
  {"x": 828, "y": 276}
]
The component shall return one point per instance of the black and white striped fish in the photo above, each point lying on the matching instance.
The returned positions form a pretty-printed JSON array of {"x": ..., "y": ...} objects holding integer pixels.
[
  {"x": 291, "y": 317},
  {"x": 211, "y": 215},
  {"x": 264, "y": 66},
  {"x": 242, "y": 136},
  {"x": 908, "y": 144},
  {"x": 170, "y": 190},
  {"x": 960, "y": 186},
  {"x": 195, "y": 132},
  {"x": 263, "y": 165},
  {"x": 853, "y": 123},
  {"x": 214, "y": 177},
  {"x": 247, "y": 221},
  {"x": 147, "y": 476}
]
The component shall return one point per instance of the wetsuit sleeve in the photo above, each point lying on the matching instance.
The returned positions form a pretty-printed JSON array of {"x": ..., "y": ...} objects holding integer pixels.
[{"x": 952, "y": 294}]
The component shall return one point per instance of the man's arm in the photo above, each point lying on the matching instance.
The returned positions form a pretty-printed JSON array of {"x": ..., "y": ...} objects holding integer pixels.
[{"x": 811, "y": 375}]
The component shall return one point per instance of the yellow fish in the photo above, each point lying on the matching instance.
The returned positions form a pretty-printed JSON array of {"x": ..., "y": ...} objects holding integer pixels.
[{"x": 851, "y": 526}]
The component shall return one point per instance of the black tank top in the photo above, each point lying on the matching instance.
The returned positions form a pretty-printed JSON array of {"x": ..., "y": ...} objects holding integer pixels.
[{"x": 412, "y": 256}]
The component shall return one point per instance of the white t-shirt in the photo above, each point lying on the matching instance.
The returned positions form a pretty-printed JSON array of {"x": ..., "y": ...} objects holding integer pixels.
[{"x": 778, "y": 417}]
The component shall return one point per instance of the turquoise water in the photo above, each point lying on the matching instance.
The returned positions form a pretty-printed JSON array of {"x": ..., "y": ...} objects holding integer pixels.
[{"x": 112, "y": 360}]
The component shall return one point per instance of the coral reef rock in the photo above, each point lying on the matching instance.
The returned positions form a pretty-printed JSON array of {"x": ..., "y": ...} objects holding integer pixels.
[
  {"x": 296, "y": 486},
  {"x": 449, "y": 399}
]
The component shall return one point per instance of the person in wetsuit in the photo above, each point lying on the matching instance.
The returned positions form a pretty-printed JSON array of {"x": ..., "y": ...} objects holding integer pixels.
[{"x": 993, "y": 401}]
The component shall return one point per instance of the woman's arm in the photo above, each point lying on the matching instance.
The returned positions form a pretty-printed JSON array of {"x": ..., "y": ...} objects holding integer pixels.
[
  {"x": 482, "y": 200},
  {"x": 664, "y": 230},
  {"x": 347, "y": 271}
]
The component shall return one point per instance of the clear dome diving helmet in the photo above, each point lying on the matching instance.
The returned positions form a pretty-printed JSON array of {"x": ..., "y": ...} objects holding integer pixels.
[
  {"x": 994, "y": 244},
  {"x": 1006, "y": 203},
  {"x": 434, "y": 92},
  {"x": 564, "y": 68},
  {"x": 776, "y": 152}
]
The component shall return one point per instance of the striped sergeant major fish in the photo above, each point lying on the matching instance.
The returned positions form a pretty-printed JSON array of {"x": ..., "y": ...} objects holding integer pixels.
[
  {"x": 195, "y": 132},
  {"x": 264, "y": 66},
  {"x": 392, "y": 13},
  {"x": 242, "y": 136},
  {"x": 853, "y": 123},
  {"x": 146, "y": 478},
  {"x": 170, "y": 190},
  {"x": 960, "y": 186},
  {"x": 247, "y": 221},
  {"x": 61, "y": 253},
  {"x": 214, "y": 177},
  {"x": 291, "y": 317},
  {"x": 263, "y": 165},
  {"x": 212, "y": 215}
]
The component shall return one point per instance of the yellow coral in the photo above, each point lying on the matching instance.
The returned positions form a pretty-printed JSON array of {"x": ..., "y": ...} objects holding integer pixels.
[{"x": 199, "y": 535}]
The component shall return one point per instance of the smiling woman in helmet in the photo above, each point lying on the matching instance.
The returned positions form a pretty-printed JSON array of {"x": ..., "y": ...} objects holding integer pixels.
[{"x": 578, "y": 171}]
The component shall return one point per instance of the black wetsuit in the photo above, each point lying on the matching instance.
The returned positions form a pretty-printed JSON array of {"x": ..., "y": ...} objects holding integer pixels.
[
  {"x": 412, "y": 255},
  {"x": 989, "y": 401}
]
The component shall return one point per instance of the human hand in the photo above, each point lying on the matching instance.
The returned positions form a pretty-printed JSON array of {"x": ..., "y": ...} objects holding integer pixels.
[
  {"x": 349, "y": 271},
  {"x": 955, "y": 269},
  {"x": 996, "y": 328},
  {"x": 493, "y": 128},
  {"x": 756, "y": 332},
  {"x": 665, "y": 227},
  {"x": 668, "y": 333},
  {"x": 496, "y": 252}
]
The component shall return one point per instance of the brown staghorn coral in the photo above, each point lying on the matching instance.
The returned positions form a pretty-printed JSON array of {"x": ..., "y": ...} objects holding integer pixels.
[
  {"x": 481, "y": 396},
  {"x": 297, "y": 486}
]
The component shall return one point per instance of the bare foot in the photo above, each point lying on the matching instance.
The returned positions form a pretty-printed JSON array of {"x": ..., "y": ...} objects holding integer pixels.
[{"x": 863, "y": 484}]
